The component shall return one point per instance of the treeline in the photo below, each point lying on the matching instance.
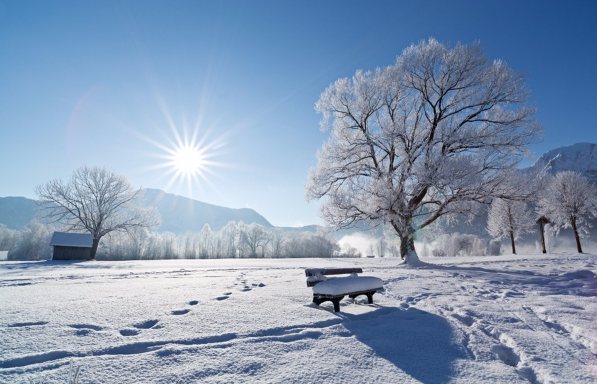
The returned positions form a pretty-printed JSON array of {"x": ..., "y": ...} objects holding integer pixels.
[
  {"x": 30, "y": 243},
  {"x": 234, "y": 240}
]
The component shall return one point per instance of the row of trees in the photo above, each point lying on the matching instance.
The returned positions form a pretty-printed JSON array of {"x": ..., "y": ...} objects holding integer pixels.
[
  {"x": 99, "y": 201},
  {"x": 568, "y": 200},
  {"x": 235, "y": 240},
  {"x": 31, "y": 243}
]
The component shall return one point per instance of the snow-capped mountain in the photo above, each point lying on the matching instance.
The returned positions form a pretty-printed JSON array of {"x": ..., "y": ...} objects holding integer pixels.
[{"x": 579, "y": 157}]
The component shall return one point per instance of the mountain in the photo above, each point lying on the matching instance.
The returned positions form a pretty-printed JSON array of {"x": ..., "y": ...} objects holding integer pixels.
[
  {"x": 580, "y": 157},
  {"x": 17, "y": 212},
  {"x": 181, "y": 214}
]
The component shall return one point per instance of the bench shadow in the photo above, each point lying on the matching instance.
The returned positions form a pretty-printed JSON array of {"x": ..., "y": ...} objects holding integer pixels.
[{"x": 419, "y": 343}]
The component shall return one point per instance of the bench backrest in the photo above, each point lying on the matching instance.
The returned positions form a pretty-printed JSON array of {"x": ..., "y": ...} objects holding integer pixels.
[{"x": 317, "y": 275}]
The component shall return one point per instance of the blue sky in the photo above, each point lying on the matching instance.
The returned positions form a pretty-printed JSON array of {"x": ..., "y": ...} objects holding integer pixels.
[{"x": 110, "y": 82}]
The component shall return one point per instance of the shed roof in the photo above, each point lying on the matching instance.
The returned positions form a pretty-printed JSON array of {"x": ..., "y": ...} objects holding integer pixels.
[{"x": 65, "y": 239}]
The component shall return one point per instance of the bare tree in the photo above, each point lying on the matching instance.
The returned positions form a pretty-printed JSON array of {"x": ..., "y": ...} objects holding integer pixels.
[
  {"x": 509, "y": 218},
  {"x": 95, "y": 200},
  {"x": 569, "y": 202},
  {"x": 432, "y": 136},
  {"x": 254, "y": 236},
  {"x": 277, "y": 242}
]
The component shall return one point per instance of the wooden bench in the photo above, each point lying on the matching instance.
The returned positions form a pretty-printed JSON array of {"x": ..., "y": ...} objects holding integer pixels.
[{"x": 334, "y": 289}]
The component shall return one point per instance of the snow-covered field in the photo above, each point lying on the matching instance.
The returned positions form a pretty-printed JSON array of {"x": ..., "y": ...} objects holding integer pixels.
[{"x": 508, "y": 319}]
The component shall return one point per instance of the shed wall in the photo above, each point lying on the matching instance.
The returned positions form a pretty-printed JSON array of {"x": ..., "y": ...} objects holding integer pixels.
[{"x": 71, "y": 253}]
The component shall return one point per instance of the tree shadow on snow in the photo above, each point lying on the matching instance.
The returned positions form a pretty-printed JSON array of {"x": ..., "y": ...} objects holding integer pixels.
[{"x": 421, "y": 344}]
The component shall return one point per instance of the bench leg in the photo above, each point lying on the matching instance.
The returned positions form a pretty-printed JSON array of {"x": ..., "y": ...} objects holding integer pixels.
[{"x": 336, "y": 302}]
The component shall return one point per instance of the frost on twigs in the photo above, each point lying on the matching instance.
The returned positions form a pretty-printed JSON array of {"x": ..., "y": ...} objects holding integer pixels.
[
  {"x": 434, "y": 135},
  {"x": 570, "y": 201}
]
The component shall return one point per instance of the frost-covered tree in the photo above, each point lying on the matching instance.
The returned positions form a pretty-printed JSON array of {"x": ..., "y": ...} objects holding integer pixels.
[
  {"x": 511, "y": 219},
  {"x": 206, "y": 242},
  {"x": 229, "y": 236},
  {"x": 569, "y": 202},
  {"x": 431, "y": 136},
  {"x": 33, "y": 242},
  {"x": 95, "y": 200},
  {"x": 255, "y": 236},
  {"x": 8, "y": 238},
  {"x": 277, "y": 242}
]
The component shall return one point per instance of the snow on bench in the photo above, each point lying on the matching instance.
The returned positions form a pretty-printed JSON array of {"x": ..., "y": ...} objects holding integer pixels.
[{"x": 334, "y": 289}]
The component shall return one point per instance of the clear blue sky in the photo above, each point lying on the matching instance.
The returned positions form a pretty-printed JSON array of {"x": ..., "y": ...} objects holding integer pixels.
[{"x": 107, "y": 83}]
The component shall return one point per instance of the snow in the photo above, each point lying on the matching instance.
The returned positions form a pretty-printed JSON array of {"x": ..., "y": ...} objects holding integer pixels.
[
  {"x": 505, "y": 319},
  {"x": 343, "y": 285},
  {"x": 84, "y": 240},
  {"x": 579, "y": 157}
]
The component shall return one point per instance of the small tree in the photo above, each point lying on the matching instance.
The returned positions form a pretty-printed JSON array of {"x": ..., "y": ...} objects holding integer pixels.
[
  {"x": 95, "y": 200},
  {"x": 431, "y": 136},
  {"x": 509, "y": 218},
  {"x": 569, "y": 202},
  {"x": 254, "y": 236}
]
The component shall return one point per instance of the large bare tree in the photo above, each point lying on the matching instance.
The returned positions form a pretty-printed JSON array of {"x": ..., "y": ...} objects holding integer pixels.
[
  {"x": 431, "y": 136},
  {"x": 95, "y": 200}
]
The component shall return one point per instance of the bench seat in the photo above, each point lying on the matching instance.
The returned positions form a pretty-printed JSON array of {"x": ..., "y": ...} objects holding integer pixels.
[{"x": 345, "y": 285}]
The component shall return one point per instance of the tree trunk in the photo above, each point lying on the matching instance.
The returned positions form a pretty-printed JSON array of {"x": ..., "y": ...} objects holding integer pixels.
[
  {"x": 542, "y": 237},
  {"x": 576, "y": 236},
  {"x": 408, "y": 252},
  {"x": 94, "y": 248},
  {"x": 512, "y": 241}
]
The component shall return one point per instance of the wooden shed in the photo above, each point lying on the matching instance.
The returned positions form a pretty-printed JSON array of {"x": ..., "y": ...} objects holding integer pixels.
[{"x": 71, "y": 246}]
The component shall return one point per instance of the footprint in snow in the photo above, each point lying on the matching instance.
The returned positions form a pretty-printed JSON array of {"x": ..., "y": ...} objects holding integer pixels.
[
  {"x": 220, "y": 298},
  {"x": 86, "y": 326},
  {"x": 181, "y": 312},
  {"x": 29, "y": 324},
  {"x": 146, "y": 324},
  {"x": 129, "y": 332},
  {"x": 194, "y": 302}
]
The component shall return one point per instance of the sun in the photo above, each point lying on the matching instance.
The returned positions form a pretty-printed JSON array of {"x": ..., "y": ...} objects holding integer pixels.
[{"x": 189, "y": 160}]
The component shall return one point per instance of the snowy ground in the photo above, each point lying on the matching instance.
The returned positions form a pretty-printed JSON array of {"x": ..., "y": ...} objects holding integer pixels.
[{"x": 461, "y": 320}]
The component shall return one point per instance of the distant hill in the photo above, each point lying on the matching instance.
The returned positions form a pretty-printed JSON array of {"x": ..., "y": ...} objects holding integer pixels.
[
  {"x": 580, "y": 157},
  {"x": 181, "y": 214},
  {"x": 17, "y": 212}
]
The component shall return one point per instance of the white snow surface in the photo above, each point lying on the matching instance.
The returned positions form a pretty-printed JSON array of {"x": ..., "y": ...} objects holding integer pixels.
[
  {"x": 506, "y": 319},
  {"x": 84, "y": 240},
  {"x": 343, "y": 285}
]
